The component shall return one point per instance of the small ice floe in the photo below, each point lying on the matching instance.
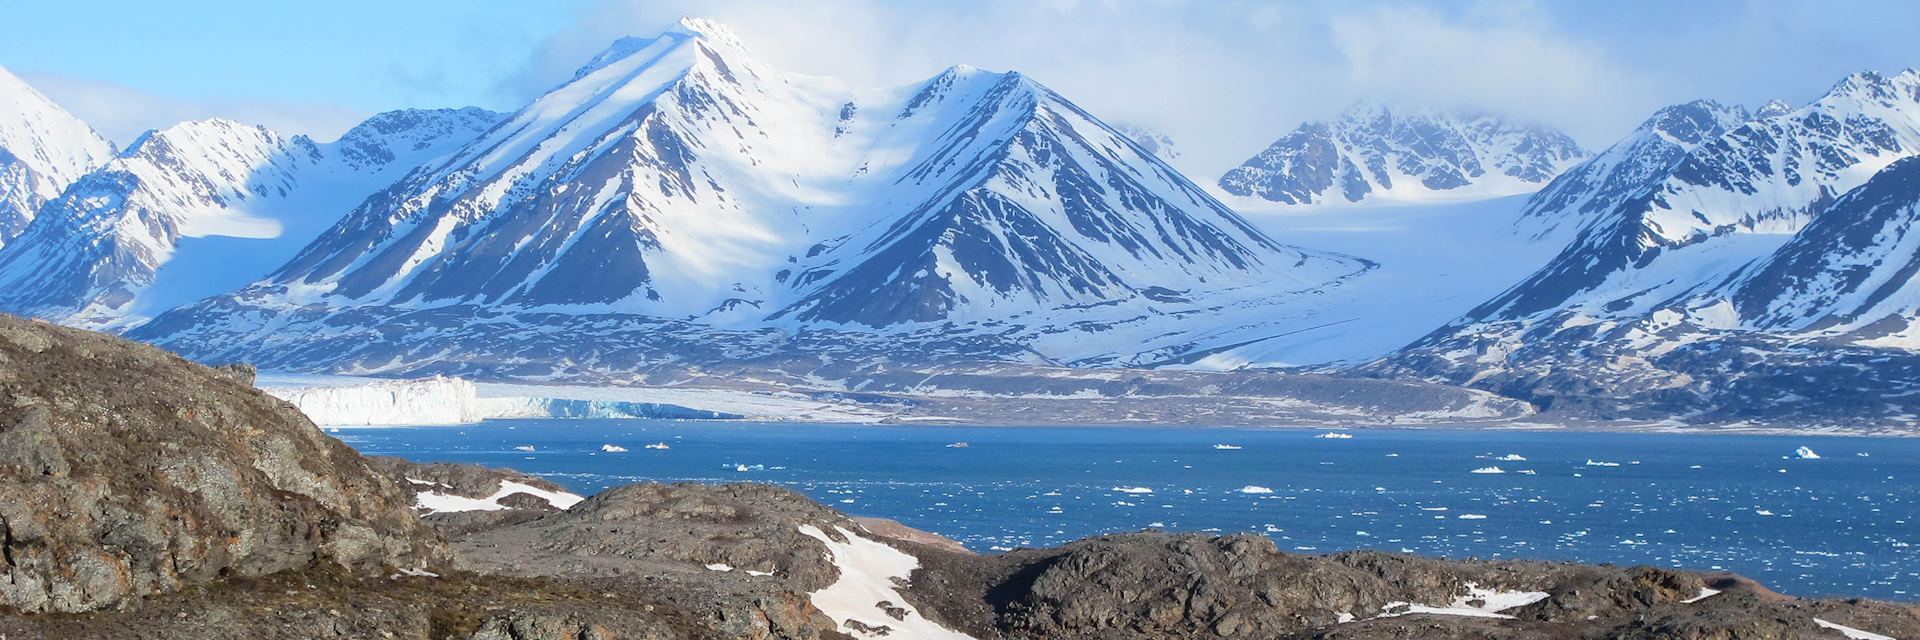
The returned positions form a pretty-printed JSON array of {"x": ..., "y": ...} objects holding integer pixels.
[
  {"x": 1850, "y": 632},
  {"x": 719, "y": 566},
  {"x": 1596, "y": 463},
  {"x": 1762, "y": 512},
  {"x": 660, "y": 446},
  {"x": 957, "y": 445},
  {"x": 1156, "y": 525},
  {"x": 1512, "y": 457},
  {"x": 1433, "y": 508},
  {"x": 524, "y": 447},
  {"x": 1527, "y": 472},
  {"x": 743, "y": 468},
  {"x": 1805, "y": 453},
  {"x": 613, "y": 448},
  {"x": 1335, "y": 435},
  {"x": 1488, "y": 470},
  {"x": 1227, "y": 447},
  {"x": 1470, "y": 516},
  {"x": 1056, "y": 509},
  {"x": 1255, "y": 489},
  {"x": 1704, "y": 594},
  {"x": 1864, "y": 454},
  {"x": 1139, "y": 490}
]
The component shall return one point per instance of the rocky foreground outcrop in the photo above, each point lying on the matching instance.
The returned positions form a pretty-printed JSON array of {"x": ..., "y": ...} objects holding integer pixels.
[
  {"x": 125, "y": 471},
  {"x": 142, "y": 496}
]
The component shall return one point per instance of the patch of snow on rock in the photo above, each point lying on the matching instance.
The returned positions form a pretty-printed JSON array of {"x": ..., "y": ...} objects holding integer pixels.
[{"x": 869, "y": 574}]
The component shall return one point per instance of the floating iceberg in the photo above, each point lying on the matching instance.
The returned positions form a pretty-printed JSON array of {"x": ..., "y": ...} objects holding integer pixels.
[
  {"x": 1805, "y": 453},
  {"x": 613, "y": 448},
  {"x": 1593, "y": 463},
  {"x": 1255, "y": 489},
  {"x": 1335, "y": 435},
  {"x": 1141, "y": 490},
  {"x": 1512, "y": 457},
  {"x": 524, "y": 447},
  {"x": 1226, "y": 447},
  {"x": 1489, "y": 470},
  {"x": 659, "y": 445}
]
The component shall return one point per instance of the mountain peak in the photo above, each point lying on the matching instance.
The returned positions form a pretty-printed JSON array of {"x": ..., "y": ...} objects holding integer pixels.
[
  {"x": 1772, "y": 108},
  {"x": 705, "y": 28},
  {"x": 42, "y": 150},
  {"x": 1377, "y": 151},
  {"x": 718, "y": 38}
]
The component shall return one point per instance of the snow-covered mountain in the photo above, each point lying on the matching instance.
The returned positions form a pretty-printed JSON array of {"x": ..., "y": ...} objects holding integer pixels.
[
  {"x": 679, "y": 187},
  {"x": 1621, "y": 172},
  {"x": 42, "y": 150},
  {"x": 1768, "y": 265},
  {"x": 204, "y": 207},
  {"x": 1153, "y": 140},
  {"x": 1853, "y": 272},
  {"x": 1378, "y": 153}
]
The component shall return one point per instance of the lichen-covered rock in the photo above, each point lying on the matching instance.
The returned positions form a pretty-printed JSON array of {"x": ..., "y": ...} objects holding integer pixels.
[
  {"x": 127, "y": 471},
  {"x": 648, "y": 528}
]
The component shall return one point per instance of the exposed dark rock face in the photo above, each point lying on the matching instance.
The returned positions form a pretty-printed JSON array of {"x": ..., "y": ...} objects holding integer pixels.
[
  {"x": 1157, "y": 585},
  {"x": 126, "y": 471}
]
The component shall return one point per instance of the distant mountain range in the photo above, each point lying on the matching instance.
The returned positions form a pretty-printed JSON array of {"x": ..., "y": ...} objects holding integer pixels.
[
  {"x": 679, "y": 184},
  {"x": 679, "y": 204},
  {"x": 1762, "y": 270},
  {"x": 1378, "y": 153},
  {"x": 119, "y": 243}
]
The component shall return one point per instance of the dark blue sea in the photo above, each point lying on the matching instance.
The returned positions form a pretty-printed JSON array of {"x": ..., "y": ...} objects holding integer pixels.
[{"x": 1845, "y": 524}]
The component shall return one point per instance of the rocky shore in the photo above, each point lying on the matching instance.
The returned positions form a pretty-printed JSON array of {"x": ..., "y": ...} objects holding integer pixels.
[{"x": 142, "y": 496}]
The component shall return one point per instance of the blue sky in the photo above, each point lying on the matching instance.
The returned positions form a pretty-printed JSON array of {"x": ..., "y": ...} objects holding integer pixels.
[{"x": 1224, "y": 77}]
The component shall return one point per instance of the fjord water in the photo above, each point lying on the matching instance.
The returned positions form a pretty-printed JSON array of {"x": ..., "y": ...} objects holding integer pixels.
[{"x": 1846, "y": 524}]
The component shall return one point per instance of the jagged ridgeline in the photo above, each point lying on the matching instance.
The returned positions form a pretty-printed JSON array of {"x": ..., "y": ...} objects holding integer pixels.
[
  {"x": 677, "y": 185},
  {"x": 1378, "y": 153}
]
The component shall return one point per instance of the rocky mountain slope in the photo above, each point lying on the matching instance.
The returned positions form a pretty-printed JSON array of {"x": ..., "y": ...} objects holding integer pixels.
[
  {"x": 680, "y": 183},
  {"x": 1377, "y": 153},
  {"x": 1763, "y": 269},
  {"x": 203, "y": 207},
  {"x": 42, "y": 150},
  {"x": 192, "y": 506}
]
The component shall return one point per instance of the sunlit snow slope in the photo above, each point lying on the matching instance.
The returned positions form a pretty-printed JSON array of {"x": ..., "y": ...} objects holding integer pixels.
[{"x": 678, "y": 182}]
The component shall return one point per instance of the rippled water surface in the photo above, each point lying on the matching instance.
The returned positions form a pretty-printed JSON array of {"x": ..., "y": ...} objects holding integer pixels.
[{"x": 1847, "y": 523}]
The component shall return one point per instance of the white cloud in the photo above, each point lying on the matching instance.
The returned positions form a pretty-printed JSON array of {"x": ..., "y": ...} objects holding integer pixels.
[
  {"x": 1505, "y": 56},
  {"x": 122, "y": 113},
  {"x": 1223, "y": 78}
]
